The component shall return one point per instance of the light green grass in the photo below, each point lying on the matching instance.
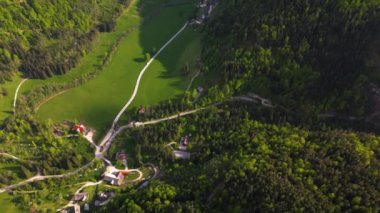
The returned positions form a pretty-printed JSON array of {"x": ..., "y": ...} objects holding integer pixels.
[
  {"x": 164, "y": 78},
  {"x": 7, "y": 206},
  {"x": 98, "y": 101},
  {"x": 89, "y": 62},
  {"x": 93, "y": 59},
  {"x": 6, "y": 102}
]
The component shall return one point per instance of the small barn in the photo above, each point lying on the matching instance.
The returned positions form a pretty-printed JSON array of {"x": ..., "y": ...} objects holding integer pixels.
[
  {"x": 80, "y": 197},
  {"x": 80, "y": 128}
]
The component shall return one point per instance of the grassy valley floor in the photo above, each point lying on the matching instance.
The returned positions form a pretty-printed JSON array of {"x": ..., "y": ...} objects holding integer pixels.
[{"x": 98, "y": 101}]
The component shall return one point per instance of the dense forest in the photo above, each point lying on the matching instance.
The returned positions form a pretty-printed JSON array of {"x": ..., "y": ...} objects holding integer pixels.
[
  {"x": 305, "y": 55},
  {"x": 44, "y": 38},
  {"x": 309, "y": 58},
  {"x": 241, "y": 165}
]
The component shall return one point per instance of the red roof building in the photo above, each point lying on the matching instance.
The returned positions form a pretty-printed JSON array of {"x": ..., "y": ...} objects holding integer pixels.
[
  {"x": 124, "y": 172},
  {"x": 142, "y": 110},
  {"x": 80, "y": 128}
]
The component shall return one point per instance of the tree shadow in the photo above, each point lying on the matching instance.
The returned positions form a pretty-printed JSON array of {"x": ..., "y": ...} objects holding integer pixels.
[
  {"x": 162, "y": 20},
  {"x": 139, "y": 60},
  {"x": 9, "y": 112}
]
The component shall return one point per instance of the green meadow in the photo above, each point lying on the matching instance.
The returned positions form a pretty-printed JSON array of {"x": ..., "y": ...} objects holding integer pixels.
[
  {"x": 7, "y": 206},
  {"x": 97, "y": 102},
  {"x": 6, "y": 102},
  {"x": 102, "y": 43}
]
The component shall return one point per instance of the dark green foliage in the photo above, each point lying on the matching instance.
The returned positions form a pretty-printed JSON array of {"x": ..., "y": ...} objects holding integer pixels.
[
  {"x": 39, "y": 148},
  {"x": 4, "y": 91},
  {"x": 241, "y": 165},
  {"x": 44, "y": 38},
  {"x": 302, "y": 54}
]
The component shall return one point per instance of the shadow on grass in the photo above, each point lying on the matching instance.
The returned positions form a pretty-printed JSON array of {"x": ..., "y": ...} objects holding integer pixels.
[
  {"x": 139, "y": 60},
  {"x": 175, "y": 13}
]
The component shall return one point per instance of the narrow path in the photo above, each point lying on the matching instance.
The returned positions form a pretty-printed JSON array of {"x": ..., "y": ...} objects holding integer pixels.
[
  {"x": 16, "y": 93},
  {"x": 138, "y": 178},
  {"x": 173, "y": 116},
  {"x": 142, "y": 73},
  {"x": 170, "y": 145},
  {"x": 252, "y": 97},
  {"x": 39, "y": 178},
  {"x": 10, "y": 156},
  {"x": 155, "y": 175},
  {"x": 49, "y": 98},
  {"x": 192, "y": 80},
  {"x": 111, "y": 132},
  {"x": 87, "y": 184}
]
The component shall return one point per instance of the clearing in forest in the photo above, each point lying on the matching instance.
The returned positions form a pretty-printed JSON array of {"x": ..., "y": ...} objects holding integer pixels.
[{"x": 97, "y": 102}]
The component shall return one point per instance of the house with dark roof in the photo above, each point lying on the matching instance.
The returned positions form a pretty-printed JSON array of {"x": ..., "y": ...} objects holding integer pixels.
[
  {"x": 114, "y": 178},
  {"x": 142, "y": 110},
  {"x": 80, "y": 197}
]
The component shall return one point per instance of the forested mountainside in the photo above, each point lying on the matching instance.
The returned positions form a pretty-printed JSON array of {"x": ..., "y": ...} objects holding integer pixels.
[
  {"x": 239, "y": 164},
  {"x": 218, "y": 147},
  {"x": 310, "y": 55},
  {"x": 44, "y": 38}
]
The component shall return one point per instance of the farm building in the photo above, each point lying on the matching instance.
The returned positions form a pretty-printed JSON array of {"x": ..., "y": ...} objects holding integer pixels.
[
  {"x": 80, "y": 197},
  {"x": 142, "y": 110},
  {"x": 114, "y": 178},
  {"x": 80, "y": 128}
]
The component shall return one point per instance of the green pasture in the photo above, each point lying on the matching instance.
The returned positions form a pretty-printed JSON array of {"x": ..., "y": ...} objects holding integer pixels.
[
  {"x": 6, "y": 102},
  {"x": 7, "y": 206},
  {"x": 98, "y": 101}
]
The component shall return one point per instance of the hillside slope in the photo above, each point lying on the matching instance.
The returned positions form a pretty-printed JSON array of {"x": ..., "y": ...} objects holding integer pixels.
[
  {"x": 43, "y": 38},
  {"x": 301, "y": 54}
]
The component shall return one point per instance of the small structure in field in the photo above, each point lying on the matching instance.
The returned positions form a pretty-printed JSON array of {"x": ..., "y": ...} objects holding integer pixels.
[
  {"x": 77, "y": 208},
  {"x": 121, "y": 156},
  {"x": 86, "y": 207},
  {"x": 184, "y": 142},
  {"x": 80, "y": 197},
  {"x": 103, "y": 198},
  {"x": 200, "y": 89},
  {"x": 80, "y": 128},
  {"x": 114, "y": 178},
  {"x": 182, "y": 154},
  {"x": 142, "y": 110}
]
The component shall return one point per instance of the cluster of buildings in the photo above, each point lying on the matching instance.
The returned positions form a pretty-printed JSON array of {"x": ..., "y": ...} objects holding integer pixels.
[
  {"x": 114, "y": 176},
  {"x": 206, "y": 8},
  {"x": 184, "y": 142},
  {"x": 101, "y": 199}
]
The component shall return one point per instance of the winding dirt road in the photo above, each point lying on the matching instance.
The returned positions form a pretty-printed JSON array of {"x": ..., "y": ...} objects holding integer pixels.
[
  {"x": 10, "y": 156},
  {"x": 87, "y": 184},
  {"x": 41, "y": 177},
  {"x": 192, "y": 80},
  {"x": 16, "y": 93},
  {"x": 111, "y": 134}
]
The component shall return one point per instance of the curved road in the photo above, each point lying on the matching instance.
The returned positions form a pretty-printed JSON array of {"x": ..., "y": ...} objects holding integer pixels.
[
  {"x": 10, "y": 156},
  {"x": 112, "y": 129},
  {"x": 139, "y": 177},
  {"x": 192, "y": 80},
  {"x": 87, "y": 184},
  {"x": 16, "y": 93},
  {"x": 39, "y": 178},
  {"x": 111, "y": 134}
]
